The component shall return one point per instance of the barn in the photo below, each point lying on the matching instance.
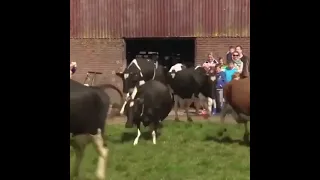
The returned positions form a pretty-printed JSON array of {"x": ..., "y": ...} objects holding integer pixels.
[{"x": 106, "y": 34}]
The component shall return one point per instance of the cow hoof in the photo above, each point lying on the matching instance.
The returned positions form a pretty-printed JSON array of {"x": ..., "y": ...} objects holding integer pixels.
[
  {"x": 189, "y": 119},
  {"x": 100, "y": 177},
  {"x": 176, "y": 119}
]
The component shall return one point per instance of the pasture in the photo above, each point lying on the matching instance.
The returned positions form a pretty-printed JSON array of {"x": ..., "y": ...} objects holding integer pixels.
[{"x": 184, "y": 151}]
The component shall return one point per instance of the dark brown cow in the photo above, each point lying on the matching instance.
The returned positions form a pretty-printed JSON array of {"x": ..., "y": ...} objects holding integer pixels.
[{"x": 237, "y": 97}]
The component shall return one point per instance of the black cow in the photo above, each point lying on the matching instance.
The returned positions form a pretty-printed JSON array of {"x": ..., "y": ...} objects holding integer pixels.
[
  {"x": 138, "y": 72},
  {"x": 152, "y": 104},
  {"x": 191, "y": 82},
  {"x": 88, "y": 112}
]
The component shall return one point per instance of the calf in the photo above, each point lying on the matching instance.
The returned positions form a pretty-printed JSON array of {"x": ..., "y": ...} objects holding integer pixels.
[
  {"x": 188, "y": 83},
  {"x": 88, "y": 112},
  {"x": 151, "y": 105},
  {"x": 237, "y": 103}
]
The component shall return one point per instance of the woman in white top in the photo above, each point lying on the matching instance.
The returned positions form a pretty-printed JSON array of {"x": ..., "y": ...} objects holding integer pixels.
[{"x": 210, "y": 63}]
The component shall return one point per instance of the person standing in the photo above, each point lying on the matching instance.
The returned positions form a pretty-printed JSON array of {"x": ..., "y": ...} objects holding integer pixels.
[
  {"x": 229, "y": 54},
  {"x": 210, "y": 63},
  {"x": 230, "y": 70},
  {"x": 220, "y": 82},
  {"x": 246, "y": 62},
  {"x": 223, "y": 65},
  {"x": 237, "y": 61},
  {"x": 73, "y": 68},
  {"x": 236, "y": 76}
]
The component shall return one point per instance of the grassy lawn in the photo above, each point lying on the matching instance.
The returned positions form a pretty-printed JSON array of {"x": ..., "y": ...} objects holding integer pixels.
[{"x": 184, "y": 151}]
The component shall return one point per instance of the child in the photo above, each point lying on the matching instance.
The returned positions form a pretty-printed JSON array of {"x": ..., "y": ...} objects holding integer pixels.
[
  {"x": 220, "y": 82},
  {"x": 230, "y": 70},
  {"x": 223, "y": 65},
  {"x": 236, "y": 76}
]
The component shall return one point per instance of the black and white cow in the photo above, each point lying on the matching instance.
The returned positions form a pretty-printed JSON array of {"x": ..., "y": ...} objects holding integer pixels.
[
  {"x": 151, "y": 105},
  {"x": 138, "y": 72},
  {"x": 88, "y": 112},
  {"x": 188, "y": 84}
]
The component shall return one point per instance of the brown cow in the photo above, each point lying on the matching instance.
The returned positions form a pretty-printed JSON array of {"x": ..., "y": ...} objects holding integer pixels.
[{"x": 237, "y": 103}]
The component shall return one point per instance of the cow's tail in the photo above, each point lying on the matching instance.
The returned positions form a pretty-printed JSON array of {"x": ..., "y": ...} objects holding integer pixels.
[{"x": 114, "y": 109}]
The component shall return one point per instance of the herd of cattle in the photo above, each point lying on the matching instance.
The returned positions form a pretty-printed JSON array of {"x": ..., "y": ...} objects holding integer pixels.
[{"x": 151, "y": 92}]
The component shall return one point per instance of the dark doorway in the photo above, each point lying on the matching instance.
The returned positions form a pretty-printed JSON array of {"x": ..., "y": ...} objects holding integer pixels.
[{"x": 169, "y": 50}]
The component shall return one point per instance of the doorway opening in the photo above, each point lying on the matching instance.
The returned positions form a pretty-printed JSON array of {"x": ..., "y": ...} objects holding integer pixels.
[{"x": 168, "y": 50}]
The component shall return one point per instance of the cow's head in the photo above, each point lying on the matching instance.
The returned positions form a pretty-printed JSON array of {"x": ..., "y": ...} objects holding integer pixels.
[
  {"x": 131, "y": 77},
  {"x": 134, "y": 110}
]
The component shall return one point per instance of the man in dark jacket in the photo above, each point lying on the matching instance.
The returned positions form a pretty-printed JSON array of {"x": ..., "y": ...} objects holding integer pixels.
[
  {"x": 246, "y": 61},
  {"x": 220, "y": 82},
  {"x": 229, "y": 54}
]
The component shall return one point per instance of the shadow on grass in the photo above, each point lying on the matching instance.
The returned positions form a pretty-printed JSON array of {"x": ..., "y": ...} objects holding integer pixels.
[{"x": 227, "y": 140}]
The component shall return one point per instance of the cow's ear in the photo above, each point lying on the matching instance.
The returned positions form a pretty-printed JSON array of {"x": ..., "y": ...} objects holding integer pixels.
[{"x": 120, "y": 74}]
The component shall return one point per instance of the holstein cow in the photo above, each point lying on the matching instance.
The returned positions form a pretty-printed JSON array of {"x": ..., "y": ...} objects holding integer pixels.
[
  {"x": 152, "y": 104},
  {"x": 237, "y": 103},
  {"x": 88, "y": 112},
  {"x": 190, "y": 82},
  {"x": 138, "y": 72}
]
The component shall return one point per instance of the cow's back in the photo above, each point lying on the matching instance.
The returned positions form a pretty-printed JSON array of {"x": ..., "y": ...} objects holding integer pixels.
[
  {"x": 157, "y": 97},
  {"x": 147, "y": 67},
  {"x": 183, "y": 84},
  {"x": 237, "y": 94},
  {"x": 88, "y": 109}
]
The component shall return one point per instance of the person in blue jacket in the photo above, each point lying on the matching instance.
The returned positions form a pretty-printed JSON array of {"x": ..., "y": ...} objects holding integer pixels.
[
  {"x": 220, "y": 82},
  {"x": 230, "y": 70}
]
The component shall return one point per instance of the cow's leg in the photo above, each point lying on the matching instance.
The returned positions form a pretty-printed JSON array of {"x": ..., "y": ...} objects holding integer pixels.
[
  {"x": 188, "y": 103},
  {"x": 78, "y": 143},
  {"x": 226, "y": 109},
  {"x": 176, "y": 100},
  {"x": 214, "y": 104},
  {"x": 197, "y": 104},
  {"x": 136, "y": 140},
  {"x": 209, "y": 105},
  {"x": 153, "y": 129},
  {"x": 103, "y": 154},
  {"x": 246, "y": 133}
]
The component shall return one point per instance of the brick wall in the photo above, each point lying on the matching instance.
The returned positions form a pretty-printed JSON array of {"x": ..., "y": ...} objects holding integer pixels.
[
  {"x": 103, "y": 55},
  {"x": 219, "y": 47}
]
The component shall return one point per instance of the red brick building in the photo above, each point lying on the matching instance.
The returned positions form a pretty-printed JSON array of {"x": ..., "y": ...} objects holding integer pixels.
[{"x": 100, "y": 30}]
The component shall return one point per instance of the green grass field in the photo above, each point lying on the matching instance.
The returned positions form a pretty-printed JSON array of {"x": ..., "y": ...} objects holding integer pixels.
[{"x": 184, "y": 151}]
